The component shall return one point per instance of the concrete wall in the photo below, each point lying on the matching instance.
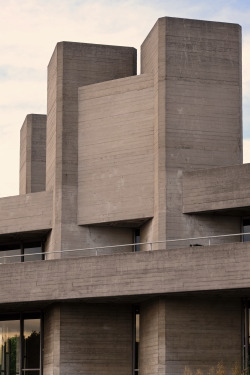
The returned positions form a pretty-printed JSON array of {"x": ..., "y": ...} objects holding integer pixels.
[
  {"x": 74, "y": 65},
  {"x": 25, "y": 213},
  {"x": 115, "y": 146},
  {"x": 216, "y": 189},
  {"x": 202, "y": 331},
  {"x": 96, "y": 339},
  {"x": 197, "y": 70},
  {"x": 220, "y": 267},
  {"x": 93, "y": 339},
  {"x": 33, "y": 154},
  {"x": 189, "y": 331},
  {"x": 152, "y": 357},
  {"x": 52, "y": 334}
]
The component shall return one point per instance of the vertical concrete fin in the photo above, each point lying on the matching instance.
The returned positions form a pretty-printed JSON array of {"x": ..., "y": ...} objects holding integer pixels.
[
  {"x": 153, "y": 60},
  {"x": 33, "y": 154}
]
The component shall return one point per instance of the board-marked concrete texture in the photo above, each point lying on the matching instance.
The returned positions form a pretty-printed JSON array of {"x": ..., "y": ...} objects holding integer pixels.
[
  {"x": 216, "y": 189},
  {"x": 73, "y": 65},
  {"x": 33, "y": 154},
  {"x": 198, "y": 114},
  {"x": 115, "y": 146},
  {"x": 23, "y": 213}
]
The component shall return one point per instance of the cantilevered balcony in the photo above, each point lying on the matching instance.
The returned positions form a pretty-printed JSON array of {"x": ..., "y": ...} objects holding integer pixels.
[{"x": 185, "y": 269}]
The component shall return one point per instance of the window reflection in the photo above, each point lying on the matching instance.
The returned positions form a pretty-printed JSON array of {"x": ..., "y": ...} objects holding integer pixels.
[
  {"x": 27, "y": 252},
  {"x": 136, "y": 339},
  {"x": 9, "y": 347},
  {"x": 31, "y": 346},
  {"x": 10, "y": 256},
  {"x": 20, "y": 356}
]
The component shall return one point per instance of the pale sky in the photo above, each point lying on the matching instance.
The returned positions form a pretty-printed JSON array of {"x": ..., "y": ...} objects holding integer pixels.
[{"x": 30, "y": 29}]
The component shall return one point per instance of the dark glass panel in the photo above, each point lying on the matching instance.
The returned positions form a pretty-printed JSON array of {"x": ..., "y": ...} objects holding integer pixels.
[
  {"x": 31, "y": 344},
  {"x": 13, "y": 259},
  {"x": 246, "y": 229},
  {"x": 32, "y": 250},
  {"x": 136, "y": 338},
  {"x": 137, "y": 239}
]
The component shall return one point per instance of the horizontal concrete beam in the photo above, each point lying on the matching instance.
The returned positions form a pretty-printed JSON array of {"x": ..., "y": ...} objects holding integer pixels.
[
  {"x": 220, "y": 267},
  {"x": 216, "y": 189},
  {"x": 25, "y": 213}
]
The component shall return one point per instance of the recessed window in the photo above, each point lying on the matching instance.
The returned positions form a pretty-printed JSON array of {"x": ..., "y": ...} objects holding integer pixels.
[
  {"x": 246, "y": 229},
  {"x": 20, "y": 345},
  {"x": 24, "y": 252},
  {"x": 136, "y": 340},
  {"x": 137, "y": 239}
]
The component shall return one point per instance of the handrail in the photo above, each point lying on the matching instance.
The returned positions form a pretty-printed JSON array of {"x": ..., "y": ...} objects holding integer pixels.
[{"x": 126, "y": 245}]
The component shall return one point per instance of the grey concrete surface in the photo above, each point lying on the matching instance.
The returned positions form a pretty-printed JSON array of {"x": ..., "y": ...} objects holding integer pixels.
[
  {"x": 218, "y": 267},
  {"x": 95, "y": 340},
  {"x": 216, "y": 189},
  {"x": 202, "y": 331},
  {"x": 181, "y": 115},
  {"x": 33, "y": 154},
  {"x": 72, "y": 66},
  {"x": 115, "y": 148},
  {"x": 190, "y": 331},
  {"x": 198, "y": 119},
  {"x": 24, "y": 213}
]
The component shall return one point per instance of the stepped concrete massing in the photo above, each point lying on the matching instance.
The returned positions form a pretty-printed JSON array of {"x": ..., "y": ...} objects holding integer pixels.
[{"x": 126, "y": 251}]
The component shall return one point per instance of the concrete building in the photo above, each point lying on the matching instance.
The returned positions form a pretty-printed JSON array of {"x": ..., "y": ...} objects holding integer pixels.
[{"x": 124, "y": 253}]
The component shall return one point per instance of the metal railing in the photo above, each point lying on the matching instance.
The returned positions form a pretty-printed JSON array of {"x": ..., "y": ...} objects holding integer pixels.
[{"x": 121, "y": 248}]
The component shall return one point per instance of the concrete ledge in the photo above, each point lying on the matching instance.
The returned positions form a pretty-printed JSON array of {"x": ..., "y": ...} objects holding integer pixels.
[
  {"x": 220, "y": 267},
  {"x": 27, "y": 212},
  {"x": 216, "y": 189}
]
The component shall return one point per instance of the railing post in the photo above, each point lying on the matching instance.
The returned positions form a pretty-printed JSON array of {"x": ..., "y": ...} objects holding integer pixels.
[
  {"x": 151, "y": 244},
  {"x": 209, "y": 241}
]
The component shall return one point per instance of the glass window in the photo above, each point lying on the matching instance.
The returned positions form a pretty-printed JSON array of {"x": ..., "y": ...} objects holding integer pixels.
[
  {"x": 20, "y": 356},
  {"x": 10, "y": 256},
  {"x": 25, "y": 252},
  {"x": 9, "y": 347},
  {"x": 31, "y": 347},
  {"x": 137, "y": 239},
  {"x": 32, "y": 254},
  {"x": 136, "y": 339},
  {"x": 246, "y": 336},
  {"x": 246, "y": 229}
]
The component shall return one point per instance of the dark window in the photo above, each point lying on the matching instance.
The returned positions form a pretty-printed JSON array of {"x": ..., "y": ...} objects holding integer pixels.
[
  {"x": 136, "y": 339},
  {"x": 23, "y": 252},
  {"x": 137, "y": 239},
  {"x": 246, "y": 229},
  {"x": 20, "y": 345}
]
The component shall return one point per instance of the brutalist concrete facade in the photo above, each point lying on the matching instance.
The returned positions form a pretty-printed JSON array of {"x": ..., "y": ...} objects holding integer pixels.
[{"x": 119, "y": 155}]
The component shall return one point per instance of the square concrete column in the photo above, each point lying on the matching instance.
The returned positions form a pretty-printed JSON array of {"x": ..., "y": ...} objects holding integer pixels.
[
  {"x": 33, "y": 154},
  {"x": 91, "y": 339},
  {"x": 196, "y": 332},
  {"x": 74, "y": 65},
  {"x": 198, "y": 116}
]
